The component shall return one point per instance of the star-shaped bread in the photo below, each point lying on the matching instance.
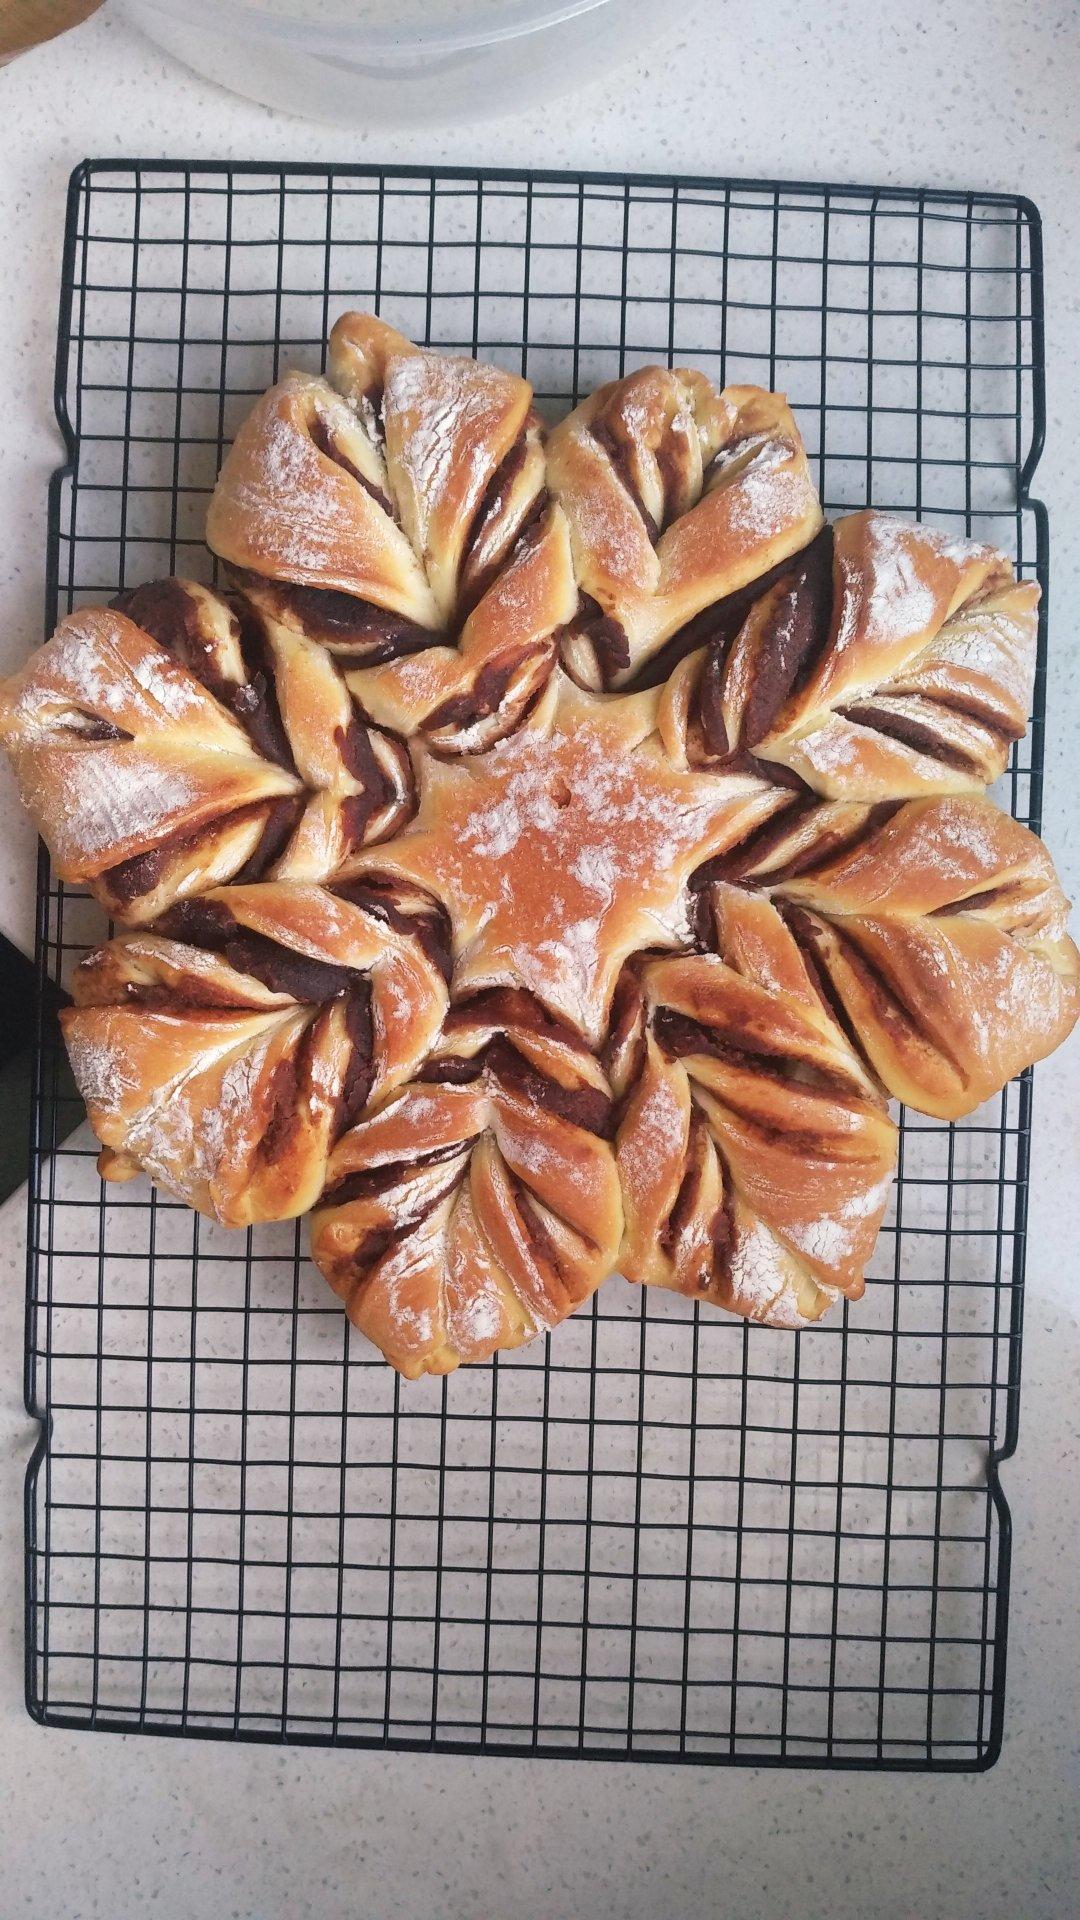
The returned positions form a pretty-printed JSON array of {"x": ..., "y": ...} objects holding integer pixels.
[{"x": 548, "y": 852}]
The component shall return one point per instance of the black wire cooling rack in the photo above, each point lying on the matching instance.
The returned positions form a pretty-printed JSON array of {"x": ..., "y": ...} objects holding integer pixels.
[{"x": 664, "y": 1534}]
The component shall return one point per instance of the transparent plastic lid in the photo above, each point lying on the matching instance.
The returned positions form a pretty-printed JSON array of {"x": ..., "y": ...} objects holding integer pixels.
[{"x": 330, "y": 26}]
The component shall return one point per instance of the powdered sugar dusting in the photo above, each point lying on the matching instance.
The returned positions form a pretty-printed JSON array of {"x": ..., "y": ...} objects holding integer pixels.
[
  {"x": 759, "y": 1275},
  {"x": 446, "y": 407},
  {"x": 195, "y": 1126},
  {"x": 988, "y": 647},
  {"x": 609, "y": 539},
  {"x": 289, "y": 481},
  {"x": 650, "y": 1141},
  {"x": 558, "y": 853},
  {"x": 285, "y": 508},
  {"x": 111, "y": 812},
  {"x": 767, "y": 495},
  {"x": 896, "y": 582},
  {"x": 835, "y": 1239},
  {"x": 98, "y": 663},
  {"x": 101, "y": 1063},
  {"x": 117, "y": 681},
  {"x": 446, "y": 422},
  {"x": 764, "y": 1281}
]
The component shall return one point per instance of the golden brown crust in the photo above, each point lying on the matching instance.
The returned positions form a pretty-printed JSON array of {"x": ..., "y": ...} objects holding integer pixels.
[
  {"x": 420, "y": 546},
  {"x": 226, "y": 1052},
  {"x": 303, "y": 498},
  {"x": 755, "y": 1152},
  {"x": 508, "y": 976},
  {"x": 466, "y": 696},
  {"x": 677, "y": 497},
  {"x": 166, "y": 745},
  {"x": 449, "y": 423},
  {"x": 568, "y": 847},
  {"x": 940, "y": 930},
  {"x": 116, "y": 746},
  {"x": 480, "y": 1205},
  {"x": 891, "y": 661}
]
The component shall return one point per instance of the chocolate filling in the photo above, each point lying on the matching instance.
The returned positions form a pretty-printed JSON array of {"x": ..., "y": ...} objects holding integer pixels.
[
  {"x": 483, "y": 698},
  {"x": 474, "y": 582},
  {"x": 979, "y": 902},
  {"x": 368, "y": 1183},
  {"x": 703, "y": 929},
  {"x": 174, "y": 618},
  {"x": 133, "y": 878},
  {"x": 428, "y": 923},
  {"x": 158, "y": 997},
  {"x": 985, "y": 713},
  {"x": 491, "y": 508},
  {"x": 606, "y": 636},
  {"x": 540, "y": 1240},
  {"x": 210, "y": 925},
  {"x": 282, "y": 819},
  {"x": 717, "y": 626},
  {"x": 340, "y": 620},
  {"x": 266, "y": 726},
  {"x": 505, "y": 1008},
  {"x": 679, "y": 1035},
  {"x": 805, "y": 931},
  {"x": 687, "y": 1197},
  {"x": 328, "y": 443},
  {"x": 451, "y": 1070},
  {"x": 89, "y": 727},
  {"x": 370, "y": 1247},
  {"x": 589, "y": 1108},
  {"x": 626, "y": 1028},
  {"x": 743, "y": 862},
  {"x": 360, "y": 1072},
  {"x": 710, "y": 704},
  {"x": 625, "y": 1008},
  {"x": 723, "y": 1246},
  {"x": 280, "y": 1094},
  {"x": 883, "y": 993},
  {"x": 358, "y": 755},
  {"x": 773, "y": 771},
  {"x": 911, "y": 733},
  {"x": 794, "y": 641},
  {"x": 618, "y": 452},
  {"x": 377, "y": 1240}
]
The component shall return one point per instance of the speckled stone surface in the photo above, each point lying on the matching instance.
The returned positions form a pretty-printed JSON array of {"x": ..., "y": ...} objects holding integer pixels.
[{"x": 980, "y": 95}]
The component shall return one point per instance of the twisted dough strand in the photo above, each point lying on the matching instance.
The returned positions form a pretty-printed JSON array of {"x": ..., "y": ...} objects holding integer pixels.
[
  {"x": 678, "y": 497},
  {"x": 754, "y": 1150},
  {"x": 936, "y": 929},
  {"x": 889, "y": 661},
  {"x": 179, "y": 740},
  {"x": 400, "y": 515},
  {"x": 481, "y": 1203},
  {"x": 226, "y": 1052}
]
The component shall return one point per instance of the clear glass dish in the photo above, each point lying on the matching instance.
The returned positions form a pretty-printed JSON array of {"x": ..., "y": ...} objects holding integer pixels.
[{"x": 398, "y": 62}]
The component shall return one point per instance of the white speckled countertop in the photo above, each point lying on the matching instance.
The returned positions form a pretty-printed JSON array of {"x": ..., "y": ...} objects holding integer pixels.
[{"x": 967, "y": 95}]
